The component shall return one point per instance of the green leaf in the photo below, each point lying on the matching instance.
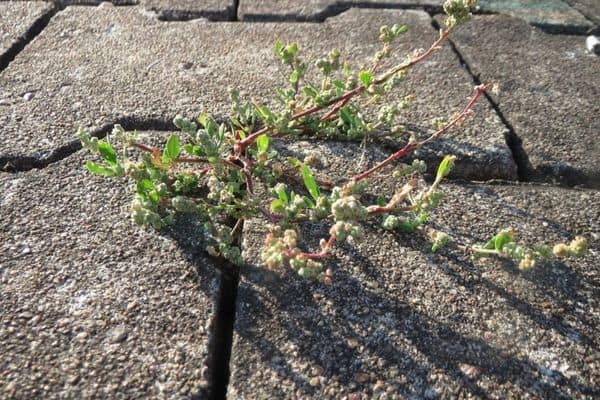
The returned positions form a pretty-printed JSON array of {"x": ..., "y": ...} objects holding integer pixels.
[
  {"x": 144, "y": 186},
  {"x": 445, "y": 167},
  {"x": 278, "y": 47},
  {"x": 381, "y": 201},
  {"x": 262, "y": 142},
  {"x": 501, "y": 239},
  {"x": 282, "y": 194},
  {"x": 309, "y": 182},
  {"x": 98, "y": 169},
  {"x": 346, "y": 116},
  {"x": 277, "y": 206},
  {"x": 311, "y": 204},
  {"x": 294, "y": 77},
  {"x": 204, "y": 119},
  {"x": 309, "y": 92},
  {"x": 339, "y": 84},
  {"x": 108, "y": 153},
  {"x": 365, "y": 77},
  {"x": 171, "y": 150}
]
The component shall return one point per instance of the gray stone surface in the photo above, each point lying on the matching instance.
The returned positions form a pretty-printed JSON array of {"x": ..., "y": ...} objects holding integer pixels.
[
  {"x": 93, "y": 306},
  {"x": 317, "y": 9},
  {"x": 589, "y": 8},
  {"x": 16, "y": 18},
  {"x": 555, "y": 15},
  {"x": 151, "y": 69},
  {"x": 400, "y": 322},
  {"x": 551, "y": 14},
  {"x": 546, "y": 93},
  {"x": 187, "y": 9}
]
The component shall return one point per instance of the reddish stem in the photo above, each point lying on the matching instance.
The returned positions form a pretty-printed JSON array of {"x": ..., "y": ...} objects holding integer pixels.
[{"x": 411, "y": 146}]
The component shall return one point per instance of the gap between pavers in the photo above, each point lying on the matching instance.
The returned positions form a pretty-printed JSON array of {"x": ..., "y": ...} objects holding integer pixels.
[
  {"x": 117, "y": 62},
  {"x": 93, "y": 306},
  {"x": 401, "y": 322},
  {"x": 546, "y": 94}
]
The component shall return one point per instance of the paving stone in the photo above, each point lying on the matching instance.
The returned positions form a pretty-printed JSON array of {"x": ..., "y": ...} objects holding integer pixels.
[
  {"x": 554, "y": 15},
  {"x": 93, "y": 306},
  {"x": 589, "y": 8},
  {"x": 401, "y": 322},
  {"x": 551, "y": 14},
  {"x": 317, "y": 9},
  {"x": 546, "y": 93},
  {"x": 143, "y": 71},
  {"x": 172, "y": 10},
  {"x": 16, "y": 18}
]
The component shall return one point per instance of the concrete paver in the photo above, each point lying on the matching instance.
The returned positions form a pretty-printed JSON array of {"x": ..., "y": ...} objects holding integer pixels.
[
  {"x": 148, "y": 68},
  {"x": 589, "y": 8},
  {"x": 316, "y": 9},
  {"x": 16, "y": 18},
  {"x": 546, "y": 93},
  {"x": 93, "y": 306},
  {"x": 554, "y": 15},
  {"x": 401, "y": 322}
]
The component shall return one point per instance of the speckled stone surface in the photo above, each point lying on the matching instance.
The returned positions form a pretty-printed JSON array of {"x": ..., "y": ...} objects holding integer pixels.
[
  {"x": 401, "y": 322},
  {"x": 546, "y": 93},
  {"x": 589, "y": 8},
  {"x": 93, "y": 306},
  {"x": 16, "y": 18},
  {"x": 555, "y": 15},
  {"x": 302, "y": 10},
  {"x": 151, "y": 69}
]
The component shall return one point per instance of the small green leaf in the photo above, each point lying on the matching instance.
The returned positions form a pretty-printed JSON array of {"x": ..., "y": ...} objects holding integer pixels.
[
  {"x": 339, "y": 84},
  {"x": 144, "y": 186},
  {"x": 171, "y": 150},
  {"x": 501, "y": 239},
  {"x": 294, "y": 77},
  {"x": 381, "y": 201},
  {"x": 309, "y": 91},
  {"x": 262, "y": 142},
  {"x": 204, "y": 119},
  {"x": 311, "y": 204},
  {"x": 445, "y": 167},
  {"x": 309, "y": 182},
  {"x": 108, "y": 153},
  {"x": 346, "y": 116},
  {"x": 98, "y": 169},
  {"x": 282, "y": 194},
  {"x": 277, "y": 206},
  {"x": 365, "y": 77},
  {"x": 278, "y": 47}
]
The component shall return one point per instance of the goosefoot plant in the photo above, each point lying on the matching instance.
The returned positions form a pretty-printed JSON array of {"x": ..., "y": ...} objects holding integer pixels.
[{"x": 224, "y": 174}]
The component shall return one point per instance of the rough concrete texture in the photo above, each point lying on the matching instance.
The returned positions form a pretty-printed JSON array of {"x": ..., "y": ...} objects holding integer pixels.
[
  {"x": 16, "y": 18},
  {"x": 553, "y": 15},
  {"x": 189, "y": 9},
  {"x": 401, "y": 322},
  {"x": 589, "y": 8},
  {"x": 546, "y": 93},
  {"x": 318, "y": 10},
  {"x": 550, "y": 14},
  {"x": 151, "y": 69},
  {"x": 93, "y": 306}
]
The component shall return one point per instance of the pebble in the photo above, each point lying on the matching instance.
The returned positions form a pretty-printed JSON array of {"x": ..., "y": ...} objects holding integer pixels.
[
  {"x": 28, "y": 96},
  {"x": 592, "y": 43},
  {"x": 117, "y": 335},
  {"x": 314, "y": 381}
]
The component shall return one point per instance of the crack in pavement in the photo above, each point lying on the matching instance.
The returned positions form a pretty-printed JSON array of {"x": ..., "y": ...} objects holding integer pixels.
[
  {"x": 34, "y": 30},
  {"x": 41, "y": 159}
]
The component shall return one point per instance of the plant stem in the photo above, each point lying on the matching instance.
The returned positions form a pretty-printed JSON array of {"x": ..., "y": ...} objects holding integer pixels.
[{"x": 412, "y": 145}]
